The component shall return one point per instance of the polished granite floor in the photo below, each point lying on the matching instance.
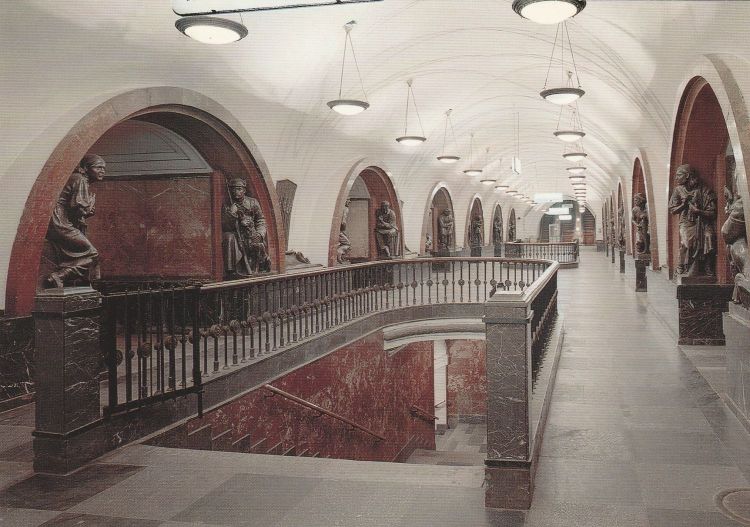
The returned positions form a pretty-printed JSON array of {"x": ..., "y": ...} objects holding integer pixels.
[{"x": 636, "y": 437}]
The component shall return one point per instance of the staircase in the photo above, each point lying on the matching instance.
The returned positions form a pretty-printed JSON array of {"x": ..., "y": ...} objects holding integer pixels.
[{"x": 206, "y": 438}]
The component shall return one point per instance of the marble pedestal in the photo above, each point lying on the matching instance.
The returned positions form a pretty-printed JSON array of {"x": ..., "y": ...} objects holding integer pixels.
[
  {"x": 641, "y": 280},
  {"x": 476, "y": 252},
  {"x": 66, "y": 323},
  {"x": 736, "y": 324},
  {"x": 600, "y": 246},
  {"x": 498, "y": 250},
  {"x": 612, "y": 252},
  {"x": 622, "y": 261},
  {"x": 700, "y": 312}
]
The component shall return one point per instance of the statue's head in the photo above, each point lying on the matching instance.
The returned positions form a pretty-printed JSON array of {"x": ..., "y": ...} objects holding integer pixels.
[
  {"x": 446, "y": 212},
  {"x": 237, "y": 188},
  {"x": 639, "y": 199},
  {"x": 385, "y": 205},
  {"x": 93, "y": 166},
  {"x": 683, "y": 173}
]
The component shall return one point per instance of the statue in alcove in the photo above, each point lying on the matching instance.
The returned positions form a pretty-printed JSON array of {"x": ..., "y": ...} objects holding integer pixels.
[
  {"x": 621, "y": 226},
  {"x": 512, "y": 230},
  {"x": 733, "y": 232},
  {"x": 497, "y": 230},
  {"x": 386, "y": 232},
  {"x": 475, "y": 235},
  {"x": 428, "y": 244},
  {"x": 696, "y": 205},
  {"x": 640, "y": 222},
  {"x": 77, "y": 258},
  {"x": 245, "y": 244},
  {"x": 345, "y": 245},
  {"x": 446, "y": 232}
]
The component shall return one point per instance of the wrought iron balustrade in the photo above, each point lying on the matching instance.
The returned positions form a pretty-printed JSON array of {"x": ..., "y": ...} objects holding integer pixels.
[{"x": 162, "y": 342}]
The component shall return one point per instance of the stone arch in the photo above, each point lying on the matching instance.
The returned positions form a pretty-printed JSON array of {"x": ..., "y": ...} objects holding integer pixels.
[
  {"x": 439, "y": 198},
  {"x": 380, "y": 187},
  {"x": 475, "y": 208},
  {"x": 700, "y": 139},
  {"x": 204, "y": 123}
]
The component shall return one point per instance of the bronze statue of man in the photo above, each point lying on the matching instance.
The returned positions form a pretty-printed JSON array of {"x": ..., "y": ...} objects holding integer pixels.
[
  {"x": 696, "y": 205},
  {"x": 497, "y": 230},
  {"x": 77, "y": 258},
  {"x": 245, "y": 243},
  {"x": 475, "y": 232},
  {"x": 446, "y": 233},
  {"x": 640, "y": 222},
  {"x": 386, "y": 231}
]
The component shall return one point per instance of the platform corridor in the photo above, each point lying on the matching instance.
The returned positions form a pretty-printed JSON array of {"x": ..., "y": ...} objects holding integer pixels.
[{"x": 636, "y": 437}]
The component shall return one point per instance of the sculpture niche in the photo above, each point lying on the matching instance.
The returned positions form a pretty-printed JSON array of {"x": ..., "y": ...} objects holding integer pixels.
[
  {"x": 77, "y": 259},
  {"x": 733, "y": 232},
  {"x": 497, "y": 231},
  {"x": 640, "y": 222},
  {"x": 386, "y": 232},
  {"x": 475, "y": 236},
  {"x": 244, "y": 243},
  {"x": 446, "y": 233},
  {"x": 345, "y": 245},
  {"x": 696, "y": 206}
]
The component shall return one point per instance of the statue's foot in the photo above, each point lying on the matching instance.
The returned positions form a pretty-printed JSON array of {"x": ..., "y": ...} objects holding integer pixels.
[{"x": 53, "y": 281}]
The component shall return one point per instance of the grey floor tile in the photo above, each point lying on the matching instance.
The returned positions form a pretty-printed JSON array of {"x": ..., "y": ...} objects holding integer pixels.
[
  {"x": 585, "y": 443},
  {"x": 87, "y": 520},
  {"x": 577, "y": 515},
  {"x": 670, "y": 447},
  {"x": 666, "y": 418},
  {"x": 686, "y": 487},
  {"x": 674, "y": 518}
]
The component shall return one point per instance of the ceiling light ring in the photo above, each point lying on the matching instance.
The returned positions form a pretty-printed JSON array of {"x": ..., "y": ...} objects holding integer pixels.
[{"x": 184, "y": 25}]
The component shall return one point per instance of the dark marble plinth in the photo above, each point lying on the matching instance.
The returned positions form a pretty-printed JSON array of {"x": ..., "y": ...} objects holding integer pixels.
[
  {"x": 476, "y": 252},
  {"x": 599, "y": 246},
  {"x": 508, "y": 486},
  {"x": 606, "y": 249},
  {"x": 700, "y": 313},
  {"x": 736, "y": 325},
  {"x": 612, "y": 252},
  {"x": 641, "y": 280},
  {"x": 622, "y": 261},
  {"x": 16, "y": 361},
  {"x": 68, "y": 356},
  {"x": 498, "y": 250}
]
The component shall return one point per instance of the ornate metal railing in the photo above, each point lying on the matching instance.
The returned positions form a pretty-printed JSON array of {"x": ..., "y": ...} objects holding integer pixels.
[
  {"x": 564, "y": 253},
  {"x": 163, "y": 342}
]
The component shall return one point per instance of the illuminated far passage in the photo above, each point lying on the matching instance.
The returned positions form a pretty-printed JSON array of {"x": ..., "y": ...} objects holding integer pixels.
[
  {"x": 566, "y": 217},
  {"x": 543, "y": 197},
  {"x": 556, "y": 211}
]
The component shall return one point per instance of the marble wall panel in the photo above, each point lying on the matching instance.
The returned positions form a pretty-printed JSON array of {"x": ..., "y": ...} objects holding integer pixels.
[
  {"x": 700, "y": 313},
  {"x": 361, "y": 382},
  {"x": 154, "y": 227},
  {"x": 16, "y": 357},
  {"x": 467, "y": 380}
]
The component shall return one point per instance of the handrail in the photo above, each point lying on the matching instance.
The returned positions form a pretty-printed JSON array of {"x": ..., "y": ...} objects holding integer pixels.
[
  {"x": 320, "y": 409},
  {"x": 422, "y": 413}
]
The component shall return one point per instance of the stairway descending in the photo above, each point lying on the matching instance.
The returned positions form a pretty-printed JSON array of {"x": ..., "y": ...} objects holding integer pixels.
[
  {"x": 421, "y": 456},
  {"x": 205, "y": 438}
]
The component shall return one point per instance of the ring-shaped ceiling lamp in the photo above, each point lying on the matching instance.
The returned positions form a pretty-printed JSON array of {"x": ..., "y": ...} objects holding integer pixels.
[
  {"x": 576, "y": 179},
  {"x": 500, "y": 188},
  {"x": 210, "y": 29},
  {"x": 569, "y": 136},
  {"x": 349, "y": 106},
  {"x": 511, "y": 192},
  {"x": 576, "y": 170},
  {"x": 548, "y": 11},
  {"x": 566, "y": 91},
  {"x": 471, "y": 171},
  {"x": 447, "y": 158},
  {"x": 406, "y": 139},
  {"x": 562, "y": 95},
  {"x": 487, "y": 179},
  {"x": 575, "y": 157}
]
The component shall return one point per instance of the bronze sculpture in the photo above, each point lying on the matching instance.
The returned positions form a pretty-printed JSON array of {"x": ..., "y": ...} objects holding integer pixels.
[
  {"x": 734, "y": 234},
  {"x": 77, "y": 258},
  {"x": 475, "y": 232},
  {"x": 512, "y": 229},
  {"x": 696, "y": 205},
  {"x": 345, "y": 245},
  {"x": 640, "y": 221},
  {"x": 446, "y": 234},
  {"x": 497, "y": 230},
  {"x": 386, "y": 231},
  {"x": 245, "y": 244}
]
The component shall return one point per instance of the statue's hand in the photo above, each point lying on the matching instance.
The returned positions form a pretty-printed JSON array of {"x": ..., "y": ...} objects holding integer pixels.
[
  {"x": 233, "y": 210},
  {"x": 255, "y": 237},
  {"x": 246, "y": 222}
]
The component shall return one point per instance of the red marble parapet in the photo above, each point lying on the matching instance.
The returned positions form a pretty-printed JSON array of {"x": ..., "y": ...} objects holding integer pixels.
[
  {"x": 361, "y": 382},
  {"x": 467, "y": 380}
]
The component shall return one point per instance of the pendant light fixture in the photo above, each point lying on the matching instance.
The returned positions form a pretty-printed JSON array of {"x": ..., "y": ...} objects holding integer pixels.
[
  {"x": 511, "y": 192},
  {"x": 487, "y": 179},
  {"x": 576, "y": 179},
  {"x": 576, "y": 170},
  {"x": 406, "y": 139},
  {"x": 565, "y": 92},
  {"x": 349, "y": 106},
  {"x": 445, "y": 158},
  {"x": 211, "y": 29},
  {"x": 548, "y": 11},
  {"x": 575, "y": 157},
  {"x": 574, "y": 131},
  {"x": 471, "y": 171},
  {"x": 501, "y": 188}
]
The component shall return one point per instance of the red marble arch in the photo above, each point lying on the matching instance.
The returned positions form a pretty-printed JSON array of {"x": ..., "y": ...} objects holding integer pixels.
[
  {"x": 700, "y": 139},
  {"x": 474, "y": 209},
  {"x": 218, "y": 143},
  {"x": 380, "y": 187}
]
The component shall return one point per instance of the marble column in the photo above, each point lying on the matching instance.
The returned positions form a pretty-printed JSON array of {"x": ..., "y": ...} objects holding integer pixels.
[
  {"x": 508, "y": 475},
  {"x": 68, "y": 358},
  {"x": 700, "y": 312},
  {"x": 622, "y": 261},
  {"x": 736, "y": 325},
  {"x": 641, "y": 280}
]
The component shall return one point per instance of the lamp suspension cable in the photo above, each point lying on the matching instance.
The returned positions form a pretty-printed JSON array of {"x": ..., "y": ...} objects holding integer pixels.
[
  {"x": 406, "y": 139},
  {"x": 443, "y": 157},
  {"x": 349, "y": 106},
  {"x": 567, "y": 92}
]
